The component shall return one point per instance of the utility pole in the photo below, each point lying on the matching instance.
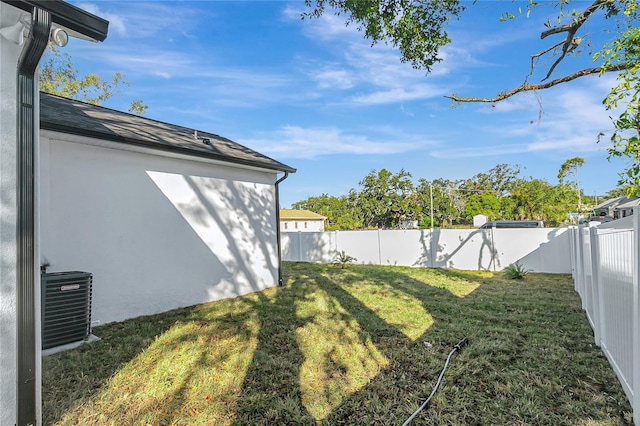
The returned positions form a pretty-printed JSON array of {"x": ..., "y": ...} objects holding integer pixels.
[{"x": 431, "y": 198}]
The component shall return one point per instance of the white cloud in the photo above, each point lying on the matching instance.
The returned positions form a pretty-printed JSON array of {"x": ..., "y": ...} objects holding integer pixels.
[
  {"x": 144, "y": 19},
  {"x": 116, "y": 22},
  {"x": 141, "y": 62},
  {"x": 299, "y": 142},
  {"x": 333, "y": 79},
  {"x": 326, "y": 28},
  {"x": 374, "y": 72},
  {"x": 399, "y": 94},
  {"x": 192, "y": 77},
  {"x": 578, "y": 144},
  {"x": 573, "y": 116},
  {"x": 163, "y": 74}
]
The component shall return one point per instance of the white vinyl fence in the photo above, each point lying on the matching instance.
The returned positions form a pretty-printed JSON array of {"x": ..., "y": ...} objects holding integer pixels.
[
  {"x": 536, "y": 249},
  {"x": 605, "y": 270}
]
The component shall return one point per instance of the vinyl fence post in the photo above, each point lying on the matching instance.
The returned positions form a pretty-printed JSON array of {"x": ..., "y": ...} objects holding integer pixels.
[
  {"x": 576, "y": 258},
  {"x": 493, "y": 249},
  {"x": 635, "y": 404},
  {"x": 379, "y": 249},
  {"x": 580, "y": 267},
  {"x": 300, "y": 246},
  {"x": 572, "y": 247},
  {"x": 433, "y": 251},
  {"x": 596, "y": 286}
]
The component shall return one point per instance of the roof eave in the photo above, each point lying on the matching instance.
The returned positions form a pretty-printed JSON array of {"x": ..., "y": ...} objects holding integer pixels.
[
  {"x": 279, "y": 167},
  {"x": 68, "y": 16}
]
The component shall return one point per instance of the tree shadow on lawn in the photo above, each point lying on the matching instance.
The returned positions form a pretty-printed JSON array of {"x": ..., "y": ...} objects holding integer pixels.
[
  {"x": 527, "y": 362},
  {"x": 133, "y": 353},
  {"x": 388, "y": 386},
  {"x": 86, "y": 368},
  {"x": 531, "y": 360},
  {"x": 270, "y": 392}
]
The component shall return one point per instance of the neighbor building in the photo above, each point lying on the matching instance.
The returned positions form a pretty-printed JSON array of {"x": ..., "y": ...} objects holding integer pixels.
[{"x": 301, "y": 220}]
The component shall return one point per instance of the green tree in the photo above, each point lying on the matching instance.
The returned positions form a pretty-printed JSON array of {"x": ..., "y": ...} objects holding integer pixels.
[
  {"x": 570, "y": 168},
  {"x": 59, "y": 76},
  {"x": 385, "y": 198},
  {"x": 625, "y": 138},
  {"x": 537, "y": 199},
  {"x": 339, "y": 211},
  {"x": 448, "y": 203},
  {"x": 530, "y": 198},
  {"x": 418, "y": 29},
  {"x": 486, "y": 204},
  {"x": 415, "y": 27},
  {"x": 497, "y": 181},
  {"x": 620, "y": 191}
]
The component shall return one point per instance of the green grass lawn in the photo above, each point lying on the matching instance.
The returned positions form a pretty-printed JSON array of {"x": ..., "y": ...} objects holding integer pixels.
[{"x": 347, "y": 347}]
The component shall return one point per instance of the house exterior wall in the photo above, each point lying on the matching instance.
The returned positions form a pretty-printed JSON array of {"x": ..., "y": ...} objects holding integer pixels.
[
  {"x": 307, "y": 225},
  {"x": 157, "y": 233},
  {"x": 9, "y": 54}
]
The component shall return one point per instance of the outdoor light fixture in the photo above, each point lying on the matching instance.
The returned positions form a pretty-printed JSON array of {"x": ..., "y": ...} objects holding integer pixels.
[
  {"x": 59, "y": 37},
  {"x": 14, "y": 33}
]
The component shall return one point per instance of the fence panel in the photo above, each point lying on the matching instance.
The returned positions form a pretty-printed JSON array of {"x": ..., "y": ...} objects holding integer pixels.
[
  {"x": 308, "y": 246},
  {"x": 587, "y": 275},
  {"x": 605, "y": 265},
  {"x": 363, "y": 245},
  {"x": 539, "y": 250},
  {"x": 405, "y": 247},
  {"x": 470, "y": 249},
  {"x": 616, "y": 277}
]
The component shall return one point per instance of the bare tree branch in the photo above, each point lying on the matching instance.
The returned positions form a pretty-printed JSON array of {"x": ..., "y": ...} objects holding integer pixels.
[
  {"x": 537, "y": 55},
  {"x": 570, "y": 42},
  {"x": 566, "y": 48},
  {"x": 576, "y": 24},
  {"x": 526, "y": 87}
]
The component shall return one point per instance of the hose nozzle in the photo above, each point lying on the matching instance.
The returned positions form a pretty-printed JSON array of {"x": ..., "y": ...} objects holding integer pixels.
[{"x": 462, "y": 343}]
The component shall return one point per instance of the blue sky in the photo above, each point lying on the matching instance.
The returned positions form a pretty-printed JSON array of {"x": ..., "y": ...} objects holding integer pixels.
[{"x": 315, "y": 95}]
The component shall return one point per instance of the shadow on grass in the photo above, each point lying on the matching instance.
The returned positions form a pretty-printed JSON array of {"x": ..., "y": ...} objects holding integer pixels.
[
  {"x": 271, "y": 388},
  {"x": 395, "y": 381},
  {"x": 87, "y": 368},
  {"x": 530, "y": 360},
  {"x": 74, "y": 378}
]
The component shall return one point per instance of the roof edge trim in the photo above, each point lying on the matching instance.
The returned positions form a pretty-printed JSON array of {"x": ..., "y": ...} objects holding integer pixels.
[
  {"x": 44, "y": 125},
  {"x": 68, "y": 16}
]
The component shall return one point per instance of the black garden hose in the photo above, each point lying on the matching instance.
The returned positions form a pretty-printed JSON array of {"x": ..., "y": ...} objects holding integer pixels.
[{"x": 456, "y": 348}]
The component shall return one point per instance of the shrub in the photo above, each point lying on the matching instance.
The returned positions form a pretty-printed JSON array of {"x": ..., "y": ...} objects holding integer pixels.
[
  {"x": 343, "y": 259},
  {"x": 515, "y": 271}
]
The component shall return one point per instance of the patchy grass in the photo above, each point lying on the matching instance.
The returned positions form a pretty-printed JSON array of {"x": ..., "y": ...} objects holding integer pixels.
[{"x": 346, "y": 346}]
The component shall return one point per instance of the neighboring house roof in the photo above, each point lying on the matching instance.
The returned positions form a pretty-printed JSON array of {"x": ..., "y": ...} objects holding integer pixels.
[
  {"x": 629, "y": 204},
  {"x": 289, "y": 214},
  {"x": 609, "y": 203},
  {"x": 83, "y": 119}
]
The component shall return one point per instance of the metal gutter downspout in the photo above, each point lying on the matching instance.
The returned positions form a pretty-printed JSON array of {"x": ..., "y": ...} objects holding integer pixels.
[
  {"x": 27, "y": 120},
  {"x": 286, "y": 175}
]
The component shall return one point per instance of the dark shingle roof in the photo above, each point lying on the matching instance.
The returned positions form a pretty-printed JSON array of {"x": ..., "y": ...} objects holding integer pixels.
[{"x": 79, "y": 118}]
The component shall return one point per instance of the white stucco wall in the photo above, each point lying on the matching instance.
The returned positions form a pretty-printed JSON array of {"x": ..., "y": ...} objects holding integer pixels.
[
  {"x": 9, "y": 53},
  {"x": 157, "y": 233}
]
